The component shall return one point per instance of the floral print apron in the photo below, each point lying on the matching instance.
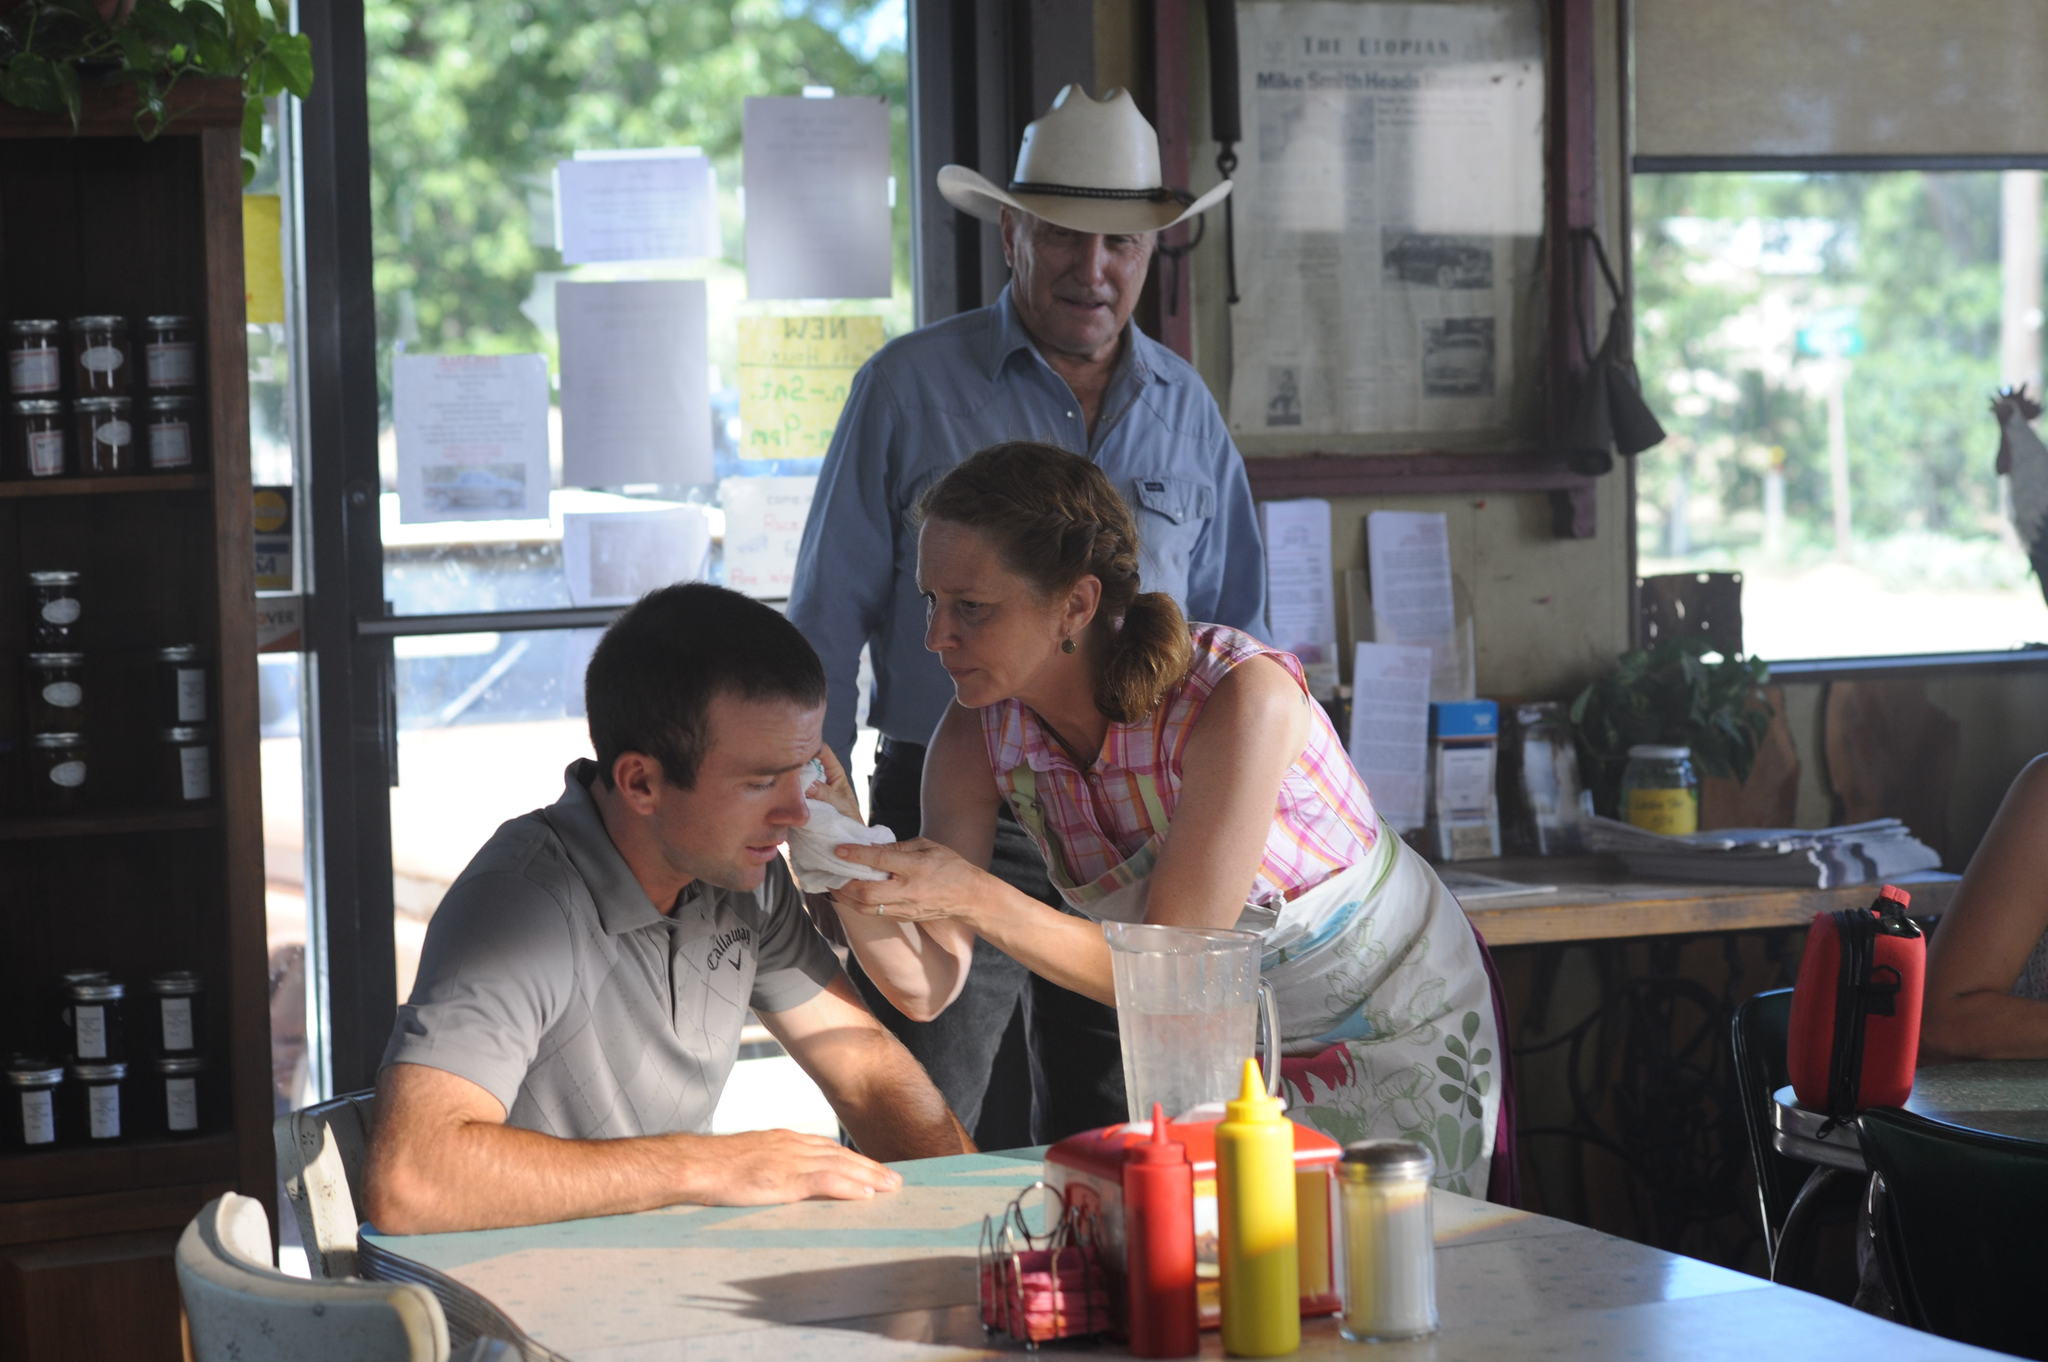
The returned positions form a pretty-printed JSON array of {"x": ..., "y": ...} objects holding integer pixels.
[{"x": 1386, "y": 1014}]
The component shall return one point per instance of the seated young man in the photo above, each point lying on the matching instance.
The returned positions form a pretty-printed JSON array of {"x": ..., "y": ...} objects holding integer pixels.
[{"x": 583, "y": 984}]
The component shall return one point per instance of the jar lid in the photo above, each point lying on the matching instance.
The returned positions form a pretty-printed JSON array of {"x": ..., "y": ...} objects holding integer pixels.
[
  {"x": 1374, "y": 1160},
  {"x": 1656, "y": 753},
  {"x": 112, "y": 1072},
  {"x": 38, "y": 406},
  {"x": 33, "y": 324},
  {"x": 99, "y": 321},
  {"x": 175, "y": 981},
  {"x": 82, "y": 974},
  {"x": 182, "y": 733},
  {"x": 99, "y": 989},
  {"x": 53, "y": 577},
  {"x": 170, "y": 402},
  {"x": 56, "y": 659},
  {"x": 33, "y": 1071},
  {"x": 180, "y": 1064},
  {"x": 178, "y": 652},
  {"x": 101, "y": 404},
  {"x": 56, "y": 740},
  {"x": 167, "y": 319}
]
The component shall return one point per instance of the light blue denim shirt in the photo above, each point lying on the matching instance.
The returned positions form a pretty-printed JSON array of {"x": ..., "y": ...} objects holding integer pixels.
[{"x": 929, "y": 399}]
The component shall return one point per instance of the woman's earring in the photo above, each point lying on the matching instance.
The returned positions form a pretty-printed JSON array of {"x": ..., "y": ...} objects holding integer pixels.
[{"x": 1067, "y": 645}]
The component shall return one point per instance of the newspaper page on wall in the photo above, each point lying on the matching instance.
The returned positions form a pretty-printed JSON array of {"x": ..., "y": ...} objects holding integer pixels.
[{"x": 1389, "y": 213}]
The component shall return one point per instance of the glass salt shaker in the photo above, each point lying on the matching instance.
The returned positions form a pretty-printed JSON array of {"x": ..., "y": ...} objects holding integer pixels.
[{"x": 1389, "y": 1241}]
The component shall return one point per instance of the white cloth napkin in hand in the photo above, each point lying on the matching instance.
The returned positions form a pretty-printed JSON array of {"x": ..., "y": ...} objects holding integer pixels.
[{"x": 810, "y": 848}]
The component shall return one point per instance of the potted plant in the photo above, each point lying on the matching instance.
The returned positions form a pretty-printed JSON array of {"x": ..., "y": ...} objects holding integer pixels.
[
  {"x": 1679, "y": 693},
  {"x": 52, "y": 51}
]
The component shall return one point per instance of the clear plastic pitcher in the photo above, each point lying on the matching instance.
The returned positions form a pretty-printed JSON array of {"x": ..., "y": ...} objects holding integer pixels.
[{"x": 1186, "y": 1000}]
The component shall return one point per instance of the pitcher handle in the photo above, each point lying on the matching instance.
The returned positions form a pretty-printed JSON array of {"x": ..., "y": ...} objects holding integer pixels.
[{"x": 1269, "y": 1037}]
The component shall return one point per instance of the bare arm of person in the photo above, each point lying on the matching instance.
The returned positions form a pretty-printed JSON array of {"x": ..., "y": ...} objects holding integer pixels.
[
  {"x": 882, "y": 1095},
  {"x": 1249, "y": 733},
  {"x": 442, "y": 1158},
  {"x": 922, "y": 966},
  {"x": 1986, "y": 935}
]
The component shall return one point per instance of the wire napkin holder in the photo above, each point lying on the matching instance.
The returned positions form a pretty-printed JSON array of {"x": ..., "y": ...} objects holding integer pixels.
[{"x": 1037, "y": 1287}]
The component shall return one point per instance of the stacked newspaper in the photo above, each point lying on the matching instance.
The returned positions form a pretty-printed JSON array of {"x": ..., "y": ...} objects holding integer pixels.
[{"x": 1856, "y": 853}]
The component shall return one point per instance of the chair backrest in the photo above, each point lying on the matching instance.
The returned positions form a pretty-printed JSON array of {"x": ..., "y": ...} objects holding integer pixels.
[
  {"x": 320, "y": 1152},
  {"x": 1761, "y": 1026},
  {"x": 1960, "y": 1228},
  {"x": 238, "y": 1306}
]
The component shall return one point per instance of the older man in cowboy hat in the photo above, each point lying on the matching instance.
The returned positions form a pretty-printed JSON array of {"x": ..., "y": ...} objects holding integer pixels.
[{"x": 1054, "y": 358}]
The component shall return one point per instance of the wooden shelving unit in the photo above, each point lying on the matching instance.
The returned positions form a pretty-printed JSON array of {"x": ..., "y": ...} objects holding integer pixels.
[{"x": 98, "y": 221}]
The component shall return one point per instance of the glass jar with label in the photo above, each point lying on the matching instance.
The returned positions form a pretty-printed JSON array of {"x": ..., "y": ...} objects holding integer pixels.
[
  {"x": 170, "y": 354},
  {"x": 59, "y": 1010},
  {"x": 56, "y": 692},
  {"x": 98, "y": 1016},
  {"x": 102, "y": 1090},
  {"x": 185, "y": 774},
  {"x": 181, "y": 685},
  {"x": 54, "y": 608},
  {"x": 35, "y": 357},
  {"x": 175, "y": 997},
  {"x": 34, "y": 1120},
  {"x": 1660, "y": 791},
  {"x": 167, "y": 428},
  {"x": 36, "y": 437},
  {"x": 177, "y": 1103},
  {"x": 57, "y": 772},
  {"x": 106, "y": 436},
  {"x": 100, "y": 352}
]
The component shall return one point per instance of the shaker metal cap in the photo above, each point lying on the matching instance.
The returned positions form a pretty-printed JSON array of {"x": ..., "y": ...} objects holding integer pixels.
[{"x": 1372, "y": 1160}]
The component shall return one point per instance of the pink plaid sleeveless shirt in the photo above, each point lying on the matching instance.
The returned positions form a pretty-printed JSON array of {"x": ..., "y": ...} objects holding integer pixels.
[{"x": 1097, "y": 822}]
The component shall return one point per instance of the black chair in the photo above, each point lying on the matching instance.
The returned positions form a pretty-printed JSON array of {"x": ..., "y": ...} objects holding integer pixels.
[
  {"x": 1959, "y": 1229},
  {"x": 1808, "y": 1242}
]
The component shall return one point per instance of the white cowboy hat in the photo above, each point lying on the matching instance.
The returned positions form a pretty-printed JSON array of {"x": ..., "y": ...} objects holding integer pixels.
[{"x": 1089, "y": 165}]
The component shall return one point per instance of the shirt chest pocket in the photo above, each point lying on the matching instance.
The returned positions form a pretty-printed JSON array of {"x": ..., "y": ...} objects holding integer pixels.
[{"x": 1172, "y": 513}]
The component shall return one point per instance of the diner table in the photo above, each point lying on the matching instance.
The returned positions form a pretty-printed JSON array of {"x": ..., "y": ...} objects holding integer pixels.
[
  {"x": 895, "y": 1278},
  {"x": 1996, "y": 1096}
]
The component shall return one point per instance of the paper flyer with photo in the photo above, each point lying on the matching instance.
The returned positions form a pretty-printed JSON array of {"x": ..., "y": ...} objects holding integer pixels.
[
  {"x": 472, "y": 436},
  {"x": 1389, "y": 213},
  {"x": 816, "y": 173}
]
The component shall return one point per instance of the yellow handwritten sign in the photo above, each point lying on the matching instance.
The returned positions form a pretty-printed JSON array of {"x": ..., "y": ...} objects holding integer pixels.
[
  {"x": 794, "y": 373},
  {"x": 262, "y": 267}
]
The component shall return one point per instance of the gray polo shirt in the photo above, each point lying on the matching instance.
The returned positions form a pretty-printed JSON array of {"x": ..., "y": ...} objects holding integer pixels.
[{"x": 549, "y": 979}]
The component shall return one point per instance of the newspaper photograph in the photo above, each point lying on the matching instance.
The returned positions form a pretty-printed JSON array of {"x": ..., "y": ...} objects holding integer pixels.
[{"x": 1389, "y": 210}]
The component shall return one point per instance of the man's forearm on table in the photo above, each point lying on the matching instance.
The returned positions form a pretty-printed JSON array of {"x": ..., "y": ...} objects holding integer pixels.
[{"x": 482, "y": 1175}]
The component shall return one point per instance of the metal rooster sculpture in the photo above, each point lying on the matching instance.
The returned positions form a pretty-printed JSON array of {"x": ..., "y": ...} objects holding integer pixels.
[{"x": 2023, "y": 457}]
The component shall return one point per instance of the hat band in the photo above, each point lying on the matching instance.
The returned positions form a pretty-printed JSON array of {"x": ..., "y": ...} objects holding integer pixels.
[{"x": 1074, "y": 191}]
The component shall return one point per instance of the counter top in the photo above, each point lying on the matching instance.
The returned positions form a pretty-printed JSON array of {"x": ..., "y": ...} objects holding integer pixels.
[{"x": 1597, "y": 900}]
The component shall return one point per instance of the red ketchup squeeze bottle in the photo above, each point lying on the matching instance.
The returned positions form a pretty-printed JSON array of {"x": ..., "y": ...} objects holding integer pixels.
[{"x": 1159, "y": 1239}]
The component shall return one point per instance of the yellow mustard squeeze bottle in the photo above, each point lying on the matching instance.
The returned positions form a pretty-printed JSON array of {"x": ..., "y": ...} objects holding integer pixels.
[{"x": 1256, "y": 1222}]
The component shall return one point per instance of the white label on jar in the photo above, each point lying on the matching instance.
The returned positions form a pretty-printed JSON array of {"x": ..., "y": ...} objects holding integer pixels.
[
  {"x": 112, "y": 433},
  {"x": 170, "y": 444},
  {"x": 101, "y": 359},
  {"x": 177, "y": 1023},
  {"x": 33, "y": 371},
  {"x": 89, "y": 1025},
  {"x": 63, "y": 610},
  {"x": 181, "y": 1103},
  {"x": 195, "y": 772},
  {"x": 170, "y": 364},
  {"x": 103, "y": 1102},
  {"x": 46, "y": 454},
  {"x": 38, "y": 1118},
  {"x": 69, "y": 774},
  {"x": 191, "y": 695},
  {"x": 63, "y": 694}
]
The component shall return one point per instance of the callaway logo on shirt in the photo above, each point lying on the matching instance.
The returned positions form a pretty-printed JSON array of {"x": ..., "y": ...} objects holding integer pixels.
[{"x": 735, "y": 941}]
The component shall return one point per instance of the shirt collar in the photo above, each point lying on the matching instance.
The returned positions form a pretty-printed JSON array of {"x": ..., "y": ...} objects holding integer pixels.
[{"x": 622, "y": 905}]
